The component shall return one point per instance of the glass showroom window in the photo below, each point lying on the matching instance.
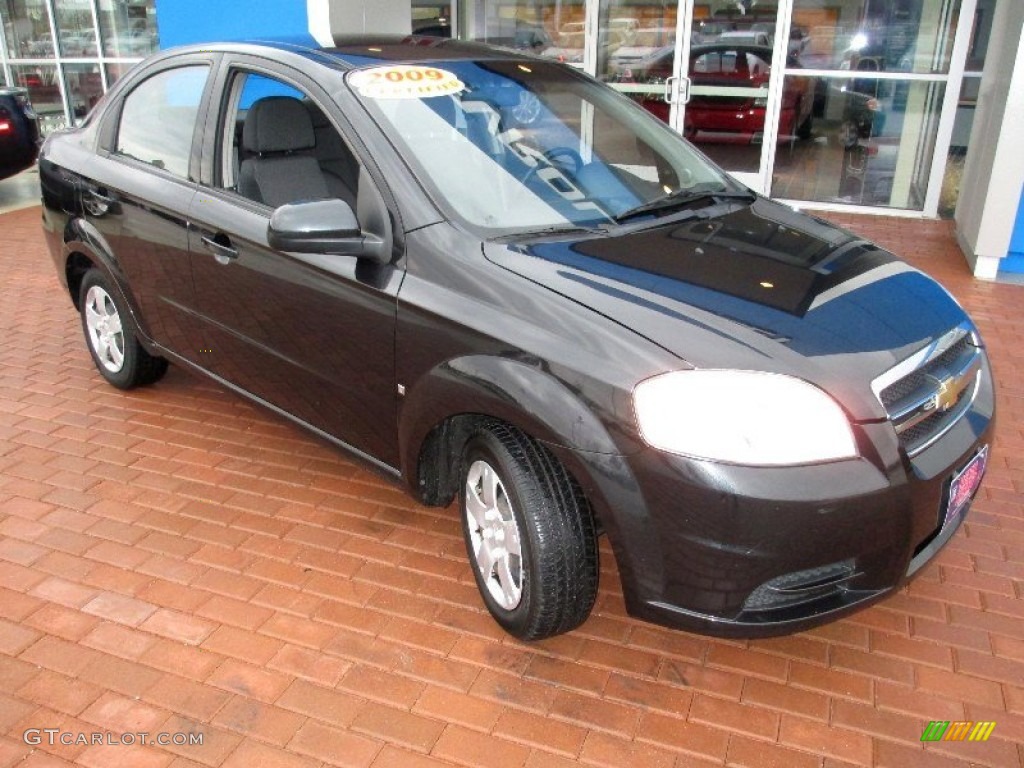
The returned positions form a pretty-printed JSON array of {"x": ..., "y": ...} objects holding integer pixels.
[
  {"x": 84, "y": 87},
  {"x": 981, "y": 32},
  {"x": 43, "y": 92},
  {"x": 554, "y": 28},
  {"x": 878, "y": 73},
  {"x": 27, "y": 29},
  {"x": 432, "y": 17},
  {"x": 128, "y": 28},
  {"x": 875, "y": 35},
  {"x": 869, "y": 147},
  {"x": 115, "y": 72},
  {"x": 636, "y": 50},
  {"x": 96, "y": 42},
  {"x": 76, "y": 30}
]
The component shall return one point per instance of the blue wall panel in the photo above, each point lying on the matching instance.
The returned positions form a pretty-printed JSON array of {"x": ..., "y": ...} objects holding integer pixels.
[
  {"x": 1014, "y": 261},
  {"x": 204, "y": 21}
]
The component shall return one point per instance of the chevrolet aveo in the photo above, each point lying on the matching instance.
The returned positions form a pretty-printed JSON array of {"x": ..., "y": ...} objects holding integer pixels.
[{"x": 500, "y": 281}]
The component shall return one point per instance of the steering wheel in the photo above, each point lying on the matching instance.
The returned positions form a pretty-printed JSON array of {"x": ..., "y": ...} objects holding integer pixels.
[{"x": 565, "y": 159}]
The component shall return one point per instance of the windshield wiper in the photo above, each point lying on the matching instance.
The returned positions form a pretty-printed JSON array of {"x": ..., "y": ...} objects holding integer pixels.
[
  {"x": 683, "y": 197},
  {"x": 564, "y": 229}
]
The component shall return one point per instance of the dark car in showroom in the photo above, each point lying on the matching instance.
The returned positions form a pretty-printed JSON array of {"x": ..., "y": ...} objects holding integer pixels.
[
  {"x": 19, "y": 132},
  {"x": 564, "y": 317}
]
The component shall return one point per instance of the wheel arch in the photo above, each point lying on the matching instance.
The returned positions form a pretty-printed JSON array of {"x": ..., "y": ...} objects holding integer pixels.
[
  {"x": 76, "y": 264},
  {"x": 85, "y": 248},
  {"x": 442, "y": 410}
]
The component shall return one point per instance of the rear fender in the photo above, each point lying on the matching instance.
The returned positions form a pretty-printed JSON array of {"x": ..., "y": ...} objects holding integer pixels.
[{"x": 81, "y": 237}]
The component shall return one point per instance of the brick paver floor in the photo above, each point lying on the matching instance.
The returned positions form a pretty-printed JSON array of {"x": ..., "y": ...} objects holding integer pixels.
[{"x": 175, "y": 560}]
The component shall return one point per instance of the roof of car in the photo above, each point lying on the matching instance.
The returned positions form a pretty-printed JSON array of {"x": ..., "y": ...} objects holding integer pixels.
[{"x": 350, "y": 52}]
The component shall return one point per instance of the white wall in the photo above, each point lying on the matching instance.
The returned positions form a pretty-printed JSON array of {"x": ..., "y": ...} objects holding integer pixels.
[
  {"x": 994, "y": 169},
  {"x": 334, "y": 18}
]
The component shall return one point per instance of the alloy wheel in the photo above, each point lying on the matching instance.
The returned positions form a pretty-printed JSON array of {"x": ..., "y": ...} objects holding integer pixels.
[
  {"x": 106, "y": 334},
  {"x": 494, "y": 533}
]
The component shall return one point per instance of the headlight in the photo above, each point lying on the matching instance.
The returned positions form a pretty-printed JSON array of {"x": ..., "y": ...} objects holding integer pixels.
[{"x": 742, "y": 417}]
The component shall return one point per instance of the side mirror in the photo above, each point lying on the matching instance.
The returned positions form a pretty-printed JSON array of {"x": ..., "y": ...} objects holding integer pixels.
[{"x": 323, "y": 227}]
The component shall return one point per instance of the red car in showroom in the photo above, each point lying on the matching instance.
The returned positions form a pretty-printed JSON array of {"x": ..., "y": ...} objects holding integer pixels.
[{"x": 727, "y": 117}]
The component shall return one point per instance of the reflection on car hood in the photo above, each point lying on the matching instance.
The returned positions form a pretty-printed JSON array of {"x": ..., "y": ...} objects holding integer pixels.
[{"x": 752, "y": 287}]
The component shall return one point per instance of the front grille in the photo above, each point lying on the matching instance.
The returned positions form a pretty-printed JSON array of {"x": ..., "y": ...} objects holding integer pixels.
[
  {"x": 928, "y": 393},
  {"x": 918, "y": 378}
]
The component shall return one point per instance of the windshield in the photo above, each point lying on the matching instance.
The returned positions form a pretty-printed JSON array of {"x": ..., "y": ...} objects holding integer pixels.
[{"x": 513, "y": 146}]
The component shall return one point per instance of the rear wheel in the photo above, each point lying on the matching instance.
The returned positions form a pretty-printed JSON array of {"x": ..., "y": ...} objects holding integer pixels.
[
  {"x": 529, "y": 534},
  {"x": 111, "y": 338}
]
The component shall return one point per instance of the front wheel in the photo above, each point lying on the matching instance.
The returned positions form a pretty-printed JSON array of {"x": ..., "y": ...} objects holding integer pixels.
[
  {"x": 110, "y": 336},
  {"x": 529, "y": 534}
]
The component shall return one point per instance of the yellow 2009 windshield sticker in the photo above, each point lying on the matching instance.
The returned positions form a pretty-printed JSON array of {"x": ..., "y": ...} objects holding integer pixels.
[{"x": 405, "y": 81}]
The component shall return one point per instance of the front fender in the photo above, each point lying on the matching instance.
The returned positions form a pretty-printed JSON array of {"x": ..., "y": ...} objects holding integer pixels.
[
  {"x": 544, "y": 407},
  {"x": 523, "y": 395}
]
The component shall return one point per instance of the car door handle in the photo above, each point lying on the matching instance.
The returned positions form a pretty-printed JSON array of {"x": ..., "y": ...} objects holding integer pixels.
[
  {"x": 220, "y": 246},
  {"x": 102, "y": 197},
  {"x": 98, "y": 202}
]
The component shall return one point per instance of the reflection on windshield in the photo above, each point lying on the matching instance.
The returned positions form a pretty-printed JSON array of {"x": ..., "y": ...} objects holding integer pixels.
[{"x": 513, "y": 146}]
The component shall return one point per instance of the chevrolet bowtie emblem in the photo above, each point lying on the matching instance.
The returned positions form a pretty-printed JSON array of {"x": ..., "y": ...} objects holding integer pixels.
[{"x": 949, "y": 392}]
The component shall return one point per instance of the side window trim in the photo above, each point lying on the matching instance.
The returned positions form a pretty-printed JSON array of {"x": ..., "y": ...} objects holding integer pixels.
[
  {"x": 106, "y": 143},
  {"x": 331, "y": 107},
  {"x": 227, "y": 170},
  {"x": 121, "y": 136},
  {"x": 232, "y": 82}
]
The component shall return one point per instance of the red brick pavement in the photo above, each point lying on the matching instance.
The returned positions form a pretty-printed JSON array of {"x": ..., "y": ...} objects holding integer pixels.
[{"x": 176, "y": 560}]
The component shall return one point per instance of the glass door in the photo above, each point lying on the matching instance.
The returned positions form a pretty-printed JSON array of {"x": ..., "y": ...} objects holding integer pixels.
[
  {"x": 706, "y": 68},
  {"x": 832, "y": 103}
]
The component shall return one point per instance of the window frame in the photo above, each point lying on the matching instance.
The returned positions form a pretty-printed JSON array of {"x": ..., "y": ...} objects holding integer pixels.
[
  {"x": 212, "y": 140},
  {"x": 109, "y": 128},
  {"x": 234, "y": 77}
]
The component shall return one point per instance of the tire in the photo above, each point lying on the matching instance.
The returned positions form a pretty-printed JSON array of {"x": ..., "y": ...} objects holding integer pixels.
[
  {"x": 111, "y": 337},
  {"x": 530, "y": 536}
]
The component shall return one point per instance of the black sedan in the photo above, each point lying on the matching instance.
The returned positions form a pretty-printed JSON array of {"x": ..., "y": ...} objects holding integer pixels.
[
  {"x": 19, "y": 132},
  {"x": 498, "y": 280}
]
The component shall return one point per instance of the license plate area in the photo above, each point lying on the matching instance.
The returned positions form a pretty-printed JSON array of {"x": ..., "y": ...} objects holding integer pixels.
[{"x": 963, "y": 485}]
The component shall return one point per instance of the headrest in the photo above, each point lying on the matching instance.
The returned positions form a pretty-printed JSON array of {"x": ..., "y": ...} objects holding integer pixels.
[{"x": 277, "y": 124}]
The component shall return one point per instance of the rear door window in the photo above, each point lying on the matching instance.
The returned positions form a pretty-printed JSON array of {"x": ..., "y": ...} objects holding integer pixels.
[{"x": 158, "y": 120}]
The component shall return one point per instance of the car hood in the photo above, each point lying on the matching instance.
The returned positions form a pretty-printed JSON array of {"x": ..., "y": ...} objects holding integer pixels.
[{"x": 751, "y": 287}]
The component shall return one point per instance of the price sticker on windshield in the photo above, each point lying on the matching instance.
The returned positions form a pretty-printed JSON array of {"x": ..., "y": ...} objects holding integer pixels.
[{"x": 405, "y": 82}]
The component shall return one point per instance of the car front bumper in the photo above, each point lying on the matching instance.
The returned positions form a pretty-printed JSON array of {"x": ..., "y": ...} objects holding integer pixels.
[{"x": 759, "y": 551}]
